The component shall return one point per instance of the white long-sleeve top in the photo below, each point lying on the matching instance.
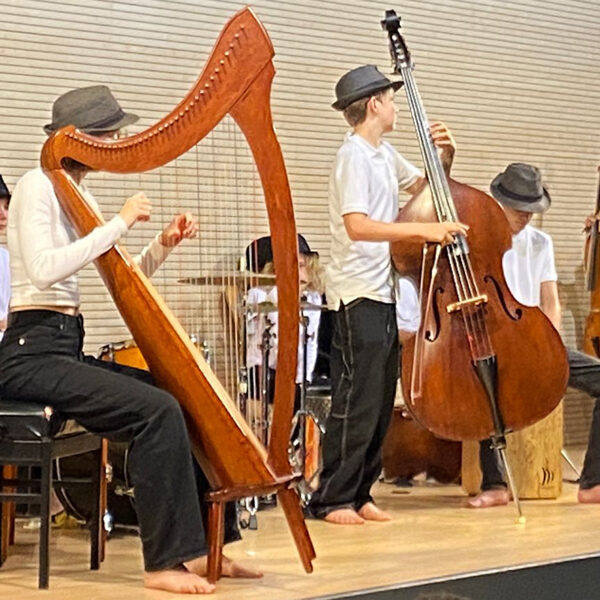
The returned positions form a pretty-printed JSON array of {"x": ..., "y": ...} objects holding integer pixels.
[
  {"x": 45, "y": 250},
  {"x": 4, "y": 285}
]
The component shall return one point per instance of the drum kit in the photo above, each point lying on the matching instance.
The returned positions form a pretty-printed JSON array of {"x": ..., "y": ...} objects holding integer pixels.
[{"x": 258, "y": 321}]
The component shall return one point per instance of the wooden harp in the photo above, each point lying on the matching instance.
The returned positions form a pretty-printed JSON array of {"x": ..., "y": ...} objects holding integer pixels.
[{"x": 236, "y": 80}]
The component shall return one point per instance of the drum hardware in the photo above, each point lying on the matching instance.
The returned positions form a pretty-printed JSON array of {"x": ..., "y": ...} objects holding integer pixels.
[
  {"x": 269, "y": 307},
  {"x": 250, "y": 506},
  {"x": 122, "y": 490},
  {"x": 305, "y": 451},
  {"x": 243, "y": 390},
  {"x": 203, "y": 346},
  {"x": 78, "y": 502},
  {"x": 106, "y": 352},
  {"x": 247, "y": 508},
  {"x": 265, "y": 348}
]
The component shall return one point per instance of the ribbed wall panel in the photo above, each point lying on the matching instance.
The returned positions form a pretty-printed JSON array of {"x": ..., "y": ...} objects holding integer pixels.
[{"x": 516, "y": 81}]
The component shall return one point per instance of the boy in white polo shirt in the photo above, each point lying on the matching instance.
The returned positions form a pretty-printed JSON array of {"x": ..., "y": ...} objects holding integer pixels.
[
  {"x": 363, "y": 205},
  {"x": 531, "y": 277}
]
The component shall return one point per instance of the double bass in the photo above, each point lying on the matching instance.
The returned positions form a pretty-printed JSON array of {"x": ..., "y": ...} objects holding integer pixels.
[
  {"x": 236, "y": 80},
  {"x": 481, "y": 364}
]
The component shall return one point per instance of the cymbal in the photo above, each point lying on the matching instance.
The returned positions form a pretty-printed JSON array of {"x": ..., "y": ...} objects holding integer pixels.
[
  {"x": 305, "y": 305},
  {"x": 261, "y": 307},
  {"x": 231, "y": 278},
  {"x": 268, "y": 307}
]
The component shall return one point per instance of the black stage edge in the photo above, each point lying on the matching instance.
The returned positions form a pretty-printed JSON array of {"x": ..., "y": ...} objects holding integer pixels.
[{"x": 568, "y": 578}]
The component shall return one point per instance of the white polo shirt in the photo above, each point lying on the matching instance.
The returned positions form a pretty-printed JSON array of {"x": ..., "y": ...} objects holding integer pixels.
[
  {"x": 364, "y": 179},
  {"x": 528, "y": 264}
]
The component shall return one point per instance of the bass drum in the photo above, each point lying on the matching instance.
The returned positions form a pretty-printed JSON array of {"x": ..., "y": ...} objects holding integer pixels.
[{"x": 77, "y": 500}]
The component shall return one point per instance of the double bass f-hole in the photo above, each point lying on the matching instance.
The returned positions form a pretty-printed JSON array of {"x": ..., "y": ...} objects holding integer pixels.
[{"x": 518, "y": 312}]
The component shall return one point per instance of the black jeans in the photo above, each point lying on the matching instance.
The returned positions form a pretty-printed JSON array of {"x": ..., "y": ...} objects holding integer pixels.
[
  {"x": 41, "y": 360},
  {"x": 584, "y": 375},
  {"x": 364, "y": 370}
]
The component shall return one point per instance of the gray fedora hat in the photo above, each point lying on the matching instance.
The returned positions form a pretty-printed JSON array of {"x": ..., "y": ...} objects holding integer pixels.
[
  {"x": 91, "y": 109},
  {"x": 359, "y": 83},
  {"x": 520, "y": 187}
]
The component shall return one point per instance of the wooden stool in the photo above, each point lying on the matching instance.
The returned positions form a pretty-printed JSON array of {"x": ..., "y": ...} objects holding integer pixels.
[
  {"x": 535, "y": 459},
  {"x": 30, "y": 436}
]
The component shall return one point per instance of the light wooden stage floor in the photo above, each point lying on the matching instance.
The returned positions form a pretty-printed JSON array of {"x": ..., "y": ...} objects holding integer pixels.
[{"x": 431, "y": 536}]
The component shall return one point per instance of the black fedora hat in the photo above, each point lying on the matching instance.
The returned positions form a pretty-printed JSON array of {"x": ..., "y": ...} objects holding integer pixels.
[
  {"x": 259, "y": 252},
  {"x": 91, "y": 109},
  {"x": 4, "y": 192},
  {"x": 520, "y": 187},
  {"x": 359, "y": 83}
]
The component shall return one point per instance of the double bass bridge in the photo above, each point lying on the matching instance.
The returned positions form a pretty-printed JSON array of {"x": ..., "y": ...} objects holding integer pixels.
[{"x": 474, "y": 301}]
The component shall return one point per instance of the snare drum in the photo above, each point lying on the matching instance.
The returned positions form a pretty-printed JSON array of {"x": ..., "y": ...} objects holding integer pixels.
[{"x": 125, "y": 353}]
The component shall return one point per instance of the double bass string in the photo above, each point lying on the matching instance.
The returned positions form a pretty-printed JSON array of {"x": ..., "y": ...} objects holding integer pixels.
[
  {"x": 458, "y": 258},
  {"x": 233, "y": 287}
]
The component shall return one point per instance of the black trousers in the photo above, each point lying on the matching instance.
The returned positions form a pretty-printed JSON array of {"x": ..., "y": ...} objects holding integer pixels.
[
  {"x": 41, "y": 360},
  {"x": 584, "y": 375},
  {"x": 364, "y": 371}
]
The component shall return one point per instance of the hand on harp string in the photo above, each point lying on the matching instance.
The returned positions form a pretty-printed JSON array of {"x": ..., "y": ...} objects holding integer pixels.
[
  {"x": 183, "y": 226},
  {"x": 136, "y": 208}
]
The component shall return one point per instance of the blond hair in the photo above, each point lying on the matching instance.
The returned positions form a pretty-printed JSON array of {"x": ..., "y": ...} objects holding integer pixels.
[{"x": 315, "y": 273}]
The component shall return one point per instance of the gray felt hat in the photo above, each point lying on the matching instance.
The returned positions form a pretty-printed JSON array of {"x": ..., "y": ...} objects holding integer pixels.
[
  {"x": 91, "y": 109},
  {"x": 520, "y": 187},
  {"x": 359, "y": 83}
]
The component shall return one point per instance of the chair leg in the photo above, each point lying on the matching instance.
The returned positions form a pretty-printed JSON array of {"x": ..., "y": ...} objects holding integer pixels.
[
  {"x": 45, "y": 487},
  {"x": 96, "y": 520},
  {"x": 7, "y": 515},
  {"x": 3, "y": 532},
  {"x": 103, "y": 497},
  {"x": 216, "y": 534}
]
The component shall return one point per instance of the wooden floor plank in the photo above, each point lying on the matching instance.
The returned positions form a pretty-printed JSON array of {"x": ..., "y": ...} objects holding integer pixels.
[{"x": 432, "y": 535}]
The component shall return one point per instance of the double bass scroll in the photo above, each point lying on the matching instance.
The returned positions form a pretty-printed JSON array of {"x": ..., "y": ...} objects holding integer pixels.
[{"x": 236, "y": 80}]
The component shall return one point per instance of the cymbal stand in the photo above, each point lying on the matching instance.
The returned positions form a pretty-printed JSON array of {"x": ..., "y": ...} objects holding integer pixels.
[
  {"x": 265, "y": 348},
  {"x": 250, "y": 505}
]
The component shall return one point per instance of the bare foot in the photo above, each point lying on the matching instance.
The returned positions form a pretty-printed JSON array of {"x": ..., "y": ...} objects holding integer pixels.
[
  {"x": 178, "y": 581},
  {"x": 229, "y": 568},
  {"x": 589, "y": 496},
  {"x": 489, "y": 498},
  {"x": 344, "y": 516},
  {"x": 370, "y": 512},
  {"x": 236, "y": 570}
]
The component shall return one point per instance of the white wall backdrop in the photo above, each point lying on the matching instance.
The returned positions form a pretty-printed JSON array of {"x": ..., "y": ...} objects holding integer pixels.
[{"x": 515, "y": 80}]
